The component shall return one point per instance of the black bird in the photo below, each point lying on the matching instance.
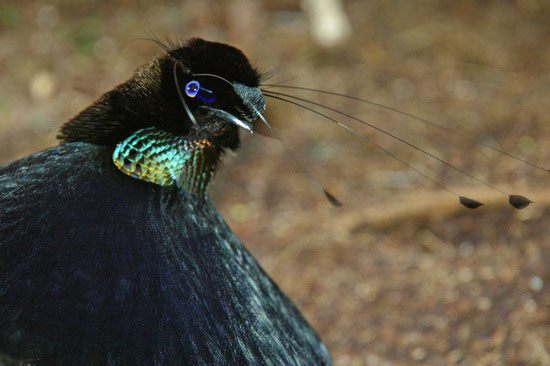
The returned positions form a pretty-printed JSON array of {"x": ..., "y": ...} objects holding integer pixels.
[{"x": 111, "y": 252}]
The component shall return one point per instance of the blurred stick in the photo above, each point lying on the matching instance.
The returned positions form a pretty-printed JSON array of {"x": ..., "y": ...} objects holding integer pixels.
[{"x": 329, "y": 23}]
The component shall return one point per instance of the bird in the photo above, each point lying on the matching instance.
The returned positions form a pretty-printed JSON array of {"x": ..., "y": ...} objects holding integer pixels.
[{"x": 112, "y": 253}]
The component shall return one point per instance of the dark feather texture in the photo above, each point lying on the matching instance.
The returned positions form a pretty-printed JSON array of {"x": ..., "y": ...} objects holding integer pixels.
[{"x": 98, "y": 268}]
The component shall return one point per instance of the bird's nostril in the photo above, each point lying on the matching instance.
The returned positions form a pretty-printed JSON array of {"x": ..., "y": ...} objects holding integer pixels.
[{"x": 251, "y": 97}]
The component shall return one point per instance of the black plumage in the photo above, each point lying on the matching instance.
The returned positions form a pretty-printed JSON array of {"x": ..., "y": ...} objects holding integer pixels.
[{"x": 99, "y": 268}]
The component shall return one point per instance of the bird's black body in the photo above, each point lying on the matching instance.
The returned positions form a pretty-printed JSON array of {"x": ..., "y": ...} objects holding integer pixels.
[{"x": 99, "y": 268}]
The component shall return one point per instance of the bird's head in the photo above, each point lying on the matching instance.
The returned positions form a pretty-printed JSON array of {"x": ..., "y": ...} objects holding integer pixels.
[{"x": 170, "y": 123}]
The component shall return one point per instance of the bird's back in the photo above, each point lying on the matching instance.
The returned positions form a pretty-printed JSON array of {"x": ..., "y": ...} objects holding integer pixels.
[{"x": 99, "y": 269}]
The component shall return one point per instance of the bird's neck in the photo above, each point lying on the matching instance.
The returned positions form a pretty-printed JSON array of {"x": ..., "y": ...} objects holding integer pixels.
[{"x": 165, "y": 159}]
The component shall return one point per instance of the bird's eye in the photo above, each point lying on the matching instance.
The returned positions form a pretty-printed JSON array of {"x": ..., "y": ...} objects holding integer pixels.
[{"x": 193, "y": 89}]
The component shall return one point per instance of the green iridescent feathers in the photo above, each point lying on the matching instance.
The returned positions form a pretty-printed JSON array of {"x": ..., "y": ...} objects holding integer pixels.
[{"x": 162, "y": 158}]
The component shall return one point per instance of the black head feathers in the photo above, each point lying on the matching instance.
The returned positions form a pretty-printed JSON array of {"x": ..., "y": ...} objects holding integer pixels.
[{"x": 202, "y": 56}]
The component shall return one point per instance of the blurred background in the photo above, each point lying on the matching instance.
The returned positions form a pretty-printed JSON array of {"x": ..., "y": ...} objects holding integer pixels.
[{"x": 402, "y": 274}]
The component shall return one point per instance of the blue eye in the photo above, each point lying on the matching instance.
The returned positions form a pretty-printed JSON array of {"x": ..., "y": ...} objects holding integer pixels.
[{"x": 193, "y": 89}]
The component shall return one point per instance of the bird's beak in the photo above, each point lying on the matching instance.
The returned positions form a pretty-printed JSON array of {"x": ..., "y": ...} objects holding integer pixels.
[{"x": 228, "y": 117}]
